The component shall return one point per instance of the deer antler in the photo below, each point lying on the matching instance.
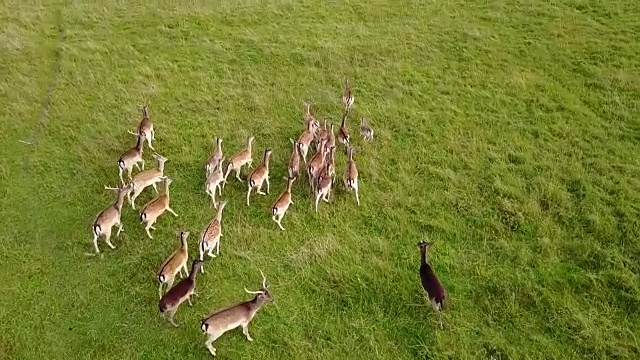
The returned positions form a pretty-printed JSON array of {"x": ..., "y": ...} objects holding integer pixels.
[{"x": 264, "y": 280}]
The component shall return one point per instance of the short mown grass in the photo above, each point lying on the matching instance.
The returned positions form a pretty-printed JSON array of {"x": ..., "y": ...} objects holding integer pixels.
[{"x": 507, "y": 132}]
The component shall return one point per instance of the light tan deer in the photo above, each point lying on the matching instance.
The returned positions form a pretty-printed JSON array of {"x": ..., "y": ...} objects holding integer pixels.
[
  {"x": 351, "y": 175},
  {"x": 131, "y": 157},
  {"x": 366, "y": 131},
  {"x": 307, "y": 136},
  {"x": 259, "y": 176},
  {"x": 156, "y": 207},
  {"x": 343, "y": 133},
  {"x": 294, "y": 160},
  {"x": 322, "y": 189},
  {"x": 215, "y": 158},
  {"x": 109, "y": 217},
  {"x": 175, "y": 264},
  {"x": 281, "y": 205},
  {"x": 210, "y": 236},
  {"x": 149, "y": 177},
  {"x": 214, "y": 181},
  {"x": 347, "y": 96},
  {"x": 145, "y": 128},
  {"x": 315, "y": 164},
  {"x": 239, "y": 160}
]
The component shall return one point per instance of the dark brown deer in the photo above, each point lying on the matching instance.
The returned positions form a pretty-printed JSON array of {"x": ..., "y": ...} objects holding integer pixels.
[
  {"x": 430, "y": 281},
  {"x": 182, "y": 291}
]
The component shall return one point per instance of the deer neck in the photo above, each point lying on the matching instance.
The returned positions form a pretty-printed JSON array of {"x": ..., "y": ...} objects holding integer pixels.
[
  {"x": 193, "y": 273},
  {"x": 120, "y": 201},
  {"x": 219, "y": 213},
  {"x": 265, "y": 160},
  {"x": 140, "y": 144},
  {"x": 255, "y": 304},
  {"x": 423, "y": 256}
]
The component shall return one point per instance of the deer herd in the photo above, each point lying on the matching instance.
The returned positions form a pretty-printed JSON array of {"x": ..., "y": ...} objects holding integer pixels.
[{"x": 320, "y": 171}]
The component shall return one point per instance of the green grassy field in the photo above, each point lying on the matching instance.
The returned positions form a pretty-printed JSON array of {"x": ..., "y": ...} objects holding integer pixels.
[{"x": 507, "y": 132}]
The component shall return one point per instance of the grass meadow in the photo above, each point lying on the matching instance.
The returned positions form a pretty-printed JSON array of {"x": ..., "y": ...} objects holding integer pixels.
[{"x": 507, "y": 132}]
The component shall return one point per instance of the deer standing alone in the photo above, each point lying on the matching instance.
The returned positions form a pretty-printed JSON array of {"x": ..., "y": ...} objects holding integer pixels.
[
  {"x": 430, "y": 281},
  {"x": 238, "y": 315},
  {"x": 366, "y": 131}
]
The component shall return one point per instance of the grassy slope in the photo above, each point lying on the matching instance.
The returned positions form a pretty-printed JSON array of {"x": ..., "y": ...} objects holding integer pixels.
[{"x": 507, "y": 132}]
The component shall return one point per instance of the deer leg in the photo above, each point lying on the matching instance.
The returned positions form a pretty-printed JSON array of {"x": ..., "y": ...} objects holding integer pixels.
[
  {"x": 238, "y": 174},
  {"x": 245, "y": 331},
  {"x": 201, "y": 250},
  {"x": 149, "y": 226},
  {"x": 268, "y": 185},
  {"x": 107, "y": 235},
  {"x": 120, "y": 228},
  {"x": 155, "y": 187},
  {"x": 280, "y": 222},
  {"x": 120, "y": 174},
  {"x": 95, "y": 243},
  {"x": 160, "y": 291},
  {"x": 171, "y": 211},
  {"x": 248, "y": 194},
  {"x": 186, "y": 271},
  {"x": 355, "y": 188},
  {"x": 213, "y": 198},
  {"x": 172, "y": 313},
  {"x": 226, "y": 175},
  {"x": 259, "y": 191},
  {"x": 142, "y": 161},
  {"x": 209, "y": 343}
]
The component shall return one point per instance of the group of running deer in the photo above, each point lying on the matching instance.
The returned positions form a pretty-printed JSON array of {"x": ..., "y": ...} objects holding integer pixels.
[{"x": 320, "y": 171}]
